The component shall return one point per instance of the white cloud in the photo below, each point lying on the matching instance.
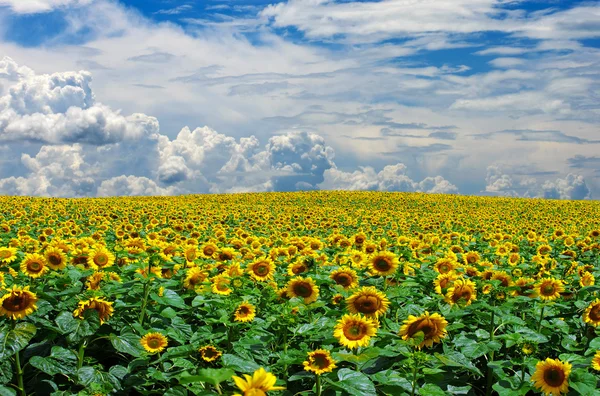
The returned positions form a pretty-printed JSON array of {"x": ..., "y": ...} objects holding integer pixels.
[
  {"x": 131, "y": 185},
  {"x": 390, "y": 178},
  {"x": 506, "y": 62},
  {"x": 37, "y": 6}
]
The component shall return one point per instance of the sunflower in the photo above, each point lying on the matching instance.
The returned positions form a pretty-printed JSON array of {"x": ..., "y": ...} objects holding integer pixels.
[
  {"x": 209, "y": 353},
  {"x": 444, "y": 265},
  {"x": 462, "y": 292},
  {"x": 525, "y": 287},
  {"x": 345, "y": 277},
  {"x": 245, "y": 312},
  {"x": 431, "y": 327},
  {"x": 383, "y": 263},
  {"x": 354, "y": 331},
  {"x": 514, "y": 259},
  {"x": 8, "y": 255},
  {"x": 100, "y": 305},
  {"x": 471, "y": 258},
  {"x": 18, "y": 302},
  {"x": 194, "y": 278},
  {"x": 55, "y": 258},
  {"x": 220, "y": 285},
  {"x": 544, "y": 250},
  {"x": 34, "y": 265},
  {"x": 591, "y": 314},
  {"x": 296, "y": 268},
  {"x": 256, "y": 385},
  {"x": 587, "y": 279},
  {"x": 100, "y": 257},
  {"x": 93, "y": 281},
  {"x": 190, "y": 253},
  {"x": 208, "y": 250},
  {"x": 154, "y": 342},
  {"x": 261, "y": 269},
  {"x": 226, "y": 254},
  {"x": 551, "y": 376},
  {"x": 443, "y": 282},
  {"x": 368, "y": 301},
  {"x": 304, "y": 288},
  {"x": 319, "y": 362},
  {"x": 596, "y": 361},
  {"x": 549, "y": 288}
]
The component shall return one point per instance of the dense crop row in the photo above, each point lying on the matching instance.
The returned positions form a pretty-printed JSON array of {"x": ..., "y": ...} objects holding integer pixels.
[{"x": 299, "y": 293}]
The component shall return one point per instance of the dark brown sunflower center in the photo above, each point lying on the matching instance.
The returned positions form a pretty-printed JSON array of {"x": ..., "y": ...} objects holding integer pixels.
[
  {"x": 261, "y": 269},
  {"x": 370, "y": 249},
  {"x": 595, "y": 313},
  {"x": 16, "y": 303},
  {"x": 367, "y": 304},
  {"x": 472, "y": 259},
  {"x": 554, "y": 376},
  {"x": 343, "y": 279},
  {"x": 225, "y": 256},
  {"x": 100, "y": 259},
  {"x": 303, "y": 289},
  {"x": 208, "y": 251},
  {"x": 548, "y": 289},
  {"x": 243, "y": 311},
  {"x": 461, "y": 294},
  {"x": 154, "y": 343},
  {"x": 4, "y": 254},
  {"x": 210, "y": 353},
  {"x": 35, "y": 266},
  {"x": 54, "y": 259},
  {"x": 190, "y": 255},
  {"x": 355, "y": 331},
  {"x": 382, "y": 264},
  {"x": 320, "y": 360},
  {"x": 422, "y": 325}
]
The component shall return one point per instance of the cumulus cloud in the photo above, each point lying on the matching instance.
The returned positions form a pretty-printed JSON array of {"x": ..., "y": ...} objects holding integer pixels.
[
  {"x": 500, "y": 182},
  {"x": 61, "y": 108},
  {"x": 131, "y": 185},
  {"x": 37, "y": 6},
  {"x": 390, "y": 178}
]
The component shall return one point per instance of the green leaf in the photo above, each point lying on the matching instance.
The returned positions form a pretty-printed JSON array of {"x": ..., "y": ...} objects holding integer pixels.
[
  {"x": 238, "y": 364},
  {"x": 5, "y": 391},
  {"x": 169, "y": 297},
  {"x": 60, "y": 361},
  {"x": 457, "y": 359},
  {"x": 431, "y": 389},
  {"x": 212, "y": 376},
  {"x": 176, "y": 391},
  {"x": 459, "y": 390},
  {"x": 14, "y": 340},
  {"x": 77, "y": 329},
  {"x": 127, "y": 343},
  {"x": 474, "y": 350},
  {"x": 354, "y": 383},
  {"x": 6, "y": 372}
]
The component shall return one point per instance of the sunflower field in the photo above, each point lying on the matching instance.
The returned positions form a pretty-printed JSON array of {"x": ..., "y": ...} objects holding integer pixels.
[{"x": 326, "y": 293}]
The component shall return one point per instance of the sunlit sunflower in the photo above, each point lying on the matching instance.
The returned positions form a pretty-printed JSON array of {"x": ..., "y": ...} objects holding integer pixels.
[
  {"x": 591, "y": 315},
  {"x": 194, "y": 277},
  {"x": 544, "y": 250},
  {"x": 100, "y": 257},
  {"x": 220, "y": 285},
  {"x": 444, "y": 265},
  {"x": 190, "y": 253},
  {"x": 319, "y": 362},
  {"x": 551, "y": 376},
  {"x": 596, "y": 361},
  {"x": 383, "y": 263},
  {"x": 462, "y": 292},
  {"x": 93, "y": 281},
  {"x": 18, "y": 302},
  {"x": 8, "y": 254},
  {"x": 525, "y": 287},
  {"x": 368, "y": 301},
  {"x": 471, "y": 258},
  {"x": 154, "y": 342},
  {"x": 354, "y": 331},
  {"x": 297, "y": 268},
  {"x": 209, "y": 353},
  {"x": 337, "y": 299},
  {"x": 256, "y": 385},
  {"x": 443, "y": 282},
  {"x": 55, "y": 258},
  {"x": 431, "y": 327},
  {"x": 549, "y": 288},
  {"x": 261, "y": 269},
  {"x": 304, "y": 288},
  {"x": 226, "y": 254},
  {"x": 245, "y": 312},
  {"x": 587, "y": 279},
  {"x": 34, "y": 265},
  {"x": 345, "y": 277},
  {"x": 100, "y": 305}
]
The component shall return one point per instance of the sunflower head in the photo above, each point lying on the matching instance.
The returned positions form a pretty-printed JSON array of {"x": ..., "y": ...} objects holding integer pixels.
[
  {"x": 100, "y": 305},
  {"x": 429, "y": 329},
  {"x": 303, "y": 288},
  {"x": 245, "y": 312},
  {"x": 319, "y": 362},
  {"x": 100, "y": 258},
  {"x": 55, "y": 258},
  {"x": 551, "y": 376},
  {"x": 209, "y": 353},
  {"x": 261, "y": 269},
  {"x": 549, "y": 288},
  {"x": 383, "y": 263},
  {"x": 8, "y": 254},
  {"x": 591, "y": 315},
  {"x": 258, "y": 384},
  {"x": 596, "y": 361},
  {"x": 354, "y": 331},
  {"x": 345, "y": 277},
  {"x": 18, "y": 302},
  {"x": 368, "y": 301},
  {"x": 463, "y": 292},
  {"x": 154, "y": 342},
  {"x": 34, "y": 265}
]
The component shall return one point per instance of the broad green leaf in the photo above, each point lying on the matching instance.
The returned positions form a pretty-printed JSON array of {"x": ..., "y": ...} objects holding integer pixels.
[
  {"x": 354, "y": 383},
  {"x": 238, "y": 364},
  {"x": 212, "y": 376},
  {"x": 6, "y": 391},
  {"x": 431, "y": 390},
  {"x": 14, "y": 340},
  {"x": 127, "y": 343}
]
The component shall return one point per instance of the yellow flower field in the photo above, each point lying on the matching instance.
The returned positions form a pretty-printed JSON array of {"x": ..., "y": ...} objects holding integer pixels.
[{"x": 360, "y": 293}]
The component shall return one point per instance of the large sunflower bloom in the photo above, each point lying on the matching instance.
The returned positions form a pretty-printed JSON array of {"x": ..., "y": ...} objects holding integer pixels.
[
  {"x": 354, "y": 331},
  {"x": 103, "y": 307},
  {"x": 368, "y": 301},
  {"x": 432, "y": 327},
  {"x": 345, "y": 277},
  {"x": 304, "y": 288},
  {"x": 256, "y": 385},
  {"x": 261, "y": 269},
  {"x": 551, "y": 376},
  {"x": 220, "y": 285},
  {"x": 319, "y": 362},
  {"x": 154, "y": 342},
  {"x": 245, "y": 312},
  {"x": 591, "y": 314},
  {"x": 8, "y": 254},
  {"x": 100, "y": 257},
  {"x": 549, "y": 288},
  {"x": 18, "y": 302},
  {"x": 34, "y": 265},
  {"x": 55, "y": 258},
  {"x": 462, "y": 292},
  {"x": 209, "y": 353},
  {"x": 194, "y": 277},
  {"x": 383, "y": 263}
]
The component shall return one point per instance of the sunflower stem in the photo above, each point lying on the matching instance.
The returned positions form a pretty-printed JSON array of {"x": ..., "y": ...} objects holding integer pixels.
[
  {"x": 19, "y": 370},
  {"x": 414, "y": 372},
  {"x": 81, "y": 353},
  {"x": 490, "y": 373},
  {"x": 144, "y": 302},
  {"x": 318, "y": 385},
  {"x": 218, "y": 388},
  {"x": 285, "y": 348},
  {"x": 541, "y": 318}
]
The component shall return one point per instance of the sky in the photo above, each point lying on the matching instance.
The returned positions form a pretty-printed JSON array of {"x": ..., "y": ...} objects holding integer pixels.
[{"x": 170, "y": 97}]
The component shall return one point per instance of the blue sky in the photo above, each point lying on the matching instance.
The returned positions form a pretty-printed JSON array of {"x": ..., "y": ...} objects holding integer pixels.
[{"x": 491, "y": 97}]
